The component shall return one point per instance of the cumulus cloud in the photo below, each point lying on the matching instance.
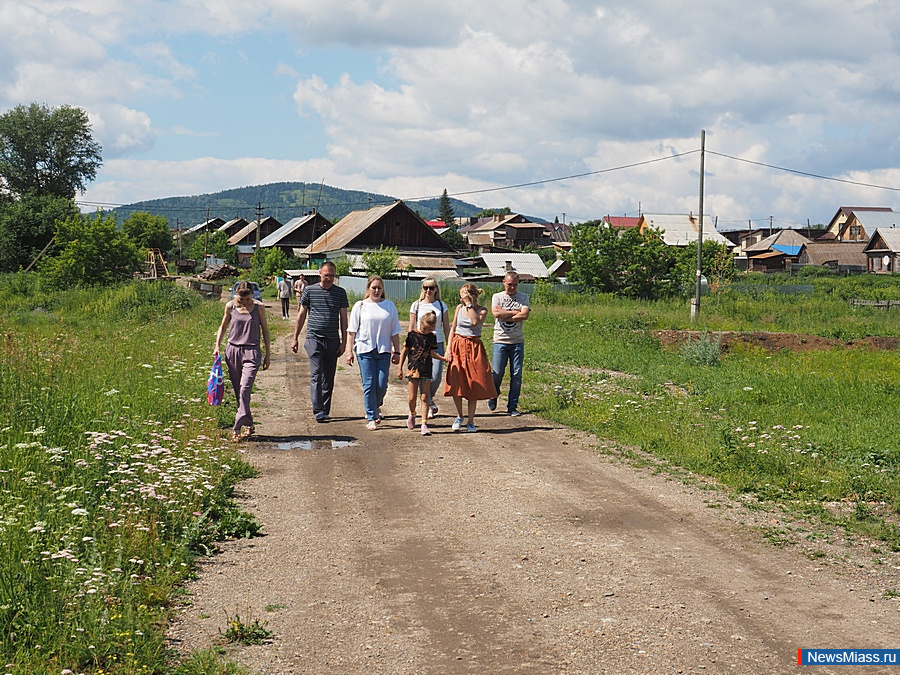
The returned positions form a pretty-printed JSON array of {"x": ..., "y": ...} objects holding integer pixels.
[{"x": 473, "y": 95}]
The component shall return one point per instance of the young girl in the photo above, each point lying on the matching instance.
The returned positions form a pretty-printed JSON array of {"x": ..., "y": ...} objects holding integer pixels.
[
  {"x": 419, "y": 351},
  {"x": 469, "y": 373}
]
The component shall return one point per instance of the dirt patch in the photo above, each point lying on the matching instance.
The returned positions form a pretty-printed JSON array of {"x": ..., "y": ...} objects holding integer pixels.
[
  {"x": 518, "y": 549},
  {"x": 774, "y": 342}
]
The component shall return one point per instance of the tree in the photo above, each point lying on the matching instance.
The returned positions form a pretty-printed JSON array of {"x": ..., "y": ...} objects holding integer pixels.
[
  {"x": 217, "y": 246},
  {"x": 445, "y": 211},
  {"x": 28, "y": 225},
  {"x": 148, "y": 231},
  {"x": 718, "y": 267},
  {"x": 91, "y": 251},
  {"x": 382, "y": 262},
  {"x": 48, "y": 151},
  {"x": 487, "y": 213},
  {"x": 621, "y": 261}
]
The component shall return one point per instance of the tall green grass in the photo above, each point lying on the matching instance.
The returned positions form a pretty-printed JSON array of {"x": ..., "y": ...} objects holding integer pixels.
[
  {"x": 816, "y": 430},
  {"x": 113, "y": 476}
]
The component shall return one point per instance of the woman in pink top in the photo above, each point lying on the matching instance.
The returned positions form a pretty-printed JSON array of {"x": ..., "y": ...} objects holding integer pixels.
[{"x": 244, "y": 320}]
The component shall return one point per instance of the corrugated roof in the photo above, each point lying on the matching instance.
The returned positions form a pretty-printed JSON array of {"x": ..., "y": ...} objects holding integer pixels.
[
  {"x": 350, "y": 226},
  {"x": 873, "y": 220},
  {"x": 240, "y": 234},
  {"x": 890, "y": 236},
  {"x": 285, "y": 230},
  {"x": 523, "y": 263},
  {"x": 420, "y": 262},
  {"x": 681, "y": 229},
  {"x": 780, "y": 240}
]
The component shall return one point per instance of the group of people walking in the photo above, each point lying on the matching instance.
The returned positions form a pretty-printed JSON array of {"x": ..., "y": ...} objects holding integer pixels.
[{"x": 370, "y": 335}]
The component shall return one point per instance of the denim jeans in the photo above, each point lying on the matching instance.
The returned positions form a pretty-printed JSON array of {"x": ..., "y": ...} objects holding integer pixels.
[
  {"x": 374, "y": 369},
  {"x": 515, "y": 356},
  {"x": 437, "y": 367}
]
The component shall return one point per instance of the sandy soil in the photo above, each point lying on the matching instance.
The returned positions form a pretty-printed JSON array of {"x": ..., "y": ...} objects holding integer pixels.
[{"x": 519, "y": 549}]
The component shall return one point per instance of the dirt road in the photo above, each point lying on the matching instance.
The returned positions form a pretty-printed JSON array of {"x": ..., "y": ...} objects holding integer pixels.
[{"x": 518, "y": 549}]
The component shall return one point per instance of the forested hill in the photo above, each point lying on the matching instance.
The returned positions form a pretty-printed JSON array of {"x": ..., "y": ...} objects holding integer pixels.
[{"x": 283, "y": 201}]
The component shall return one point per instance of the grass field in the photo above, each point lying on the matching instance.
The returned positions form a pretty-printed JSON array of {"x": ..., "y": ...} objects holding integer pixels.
[
  {"x": 114, "y": 476},
  {"x": 814, "y": 430},
  {"x": 112, "y": 473}
]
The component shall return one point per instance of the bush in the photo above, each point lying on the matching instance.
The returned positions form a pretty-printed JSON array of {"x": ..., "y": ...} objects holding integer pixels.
[{"x": 704, "y": 351}]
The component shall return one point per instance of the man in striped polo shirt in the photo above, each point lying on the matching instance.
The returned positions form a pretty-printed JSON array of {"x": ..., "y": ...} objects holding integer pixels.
[{"x": 326, "y": 307}]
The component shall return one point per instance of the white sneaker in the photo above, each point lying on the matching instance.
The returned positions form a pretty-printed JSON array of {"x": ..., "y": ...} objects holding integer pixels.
[
  {"x": 411, "y": 422},
  {"x": 425, "y": 430},
  {"x": 457, "y": 423},
  {"x": 371, "y": 426}
]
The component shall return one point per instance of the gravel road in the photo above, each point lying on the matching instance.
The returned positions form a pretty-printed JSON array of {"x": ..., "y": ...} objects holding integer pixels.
[{"x": 518, "y": 549}]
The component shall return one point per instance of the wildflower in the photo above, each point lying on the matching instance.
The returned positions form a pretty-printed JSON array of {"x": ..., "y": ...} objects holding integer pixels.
[
  {"x": 79, "y": 512},
  {"x": 748, "y": 388}
]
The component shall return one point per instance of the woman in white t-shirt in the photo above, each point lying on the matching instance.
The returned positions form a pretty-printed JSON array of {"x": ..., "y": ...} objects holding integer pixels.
[
  {"x": 374, "y": 339},
  {"x": 430, "y": 301}
]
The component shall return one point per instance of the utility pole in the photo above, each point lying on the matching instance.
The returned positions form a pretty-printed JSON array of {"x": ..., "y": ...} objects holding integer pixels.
[
  {"x": 258, "y": 223},
  {"x": 178, "y": 229},
  {"x": 695, "y": 305},
  {"x": 206, "y": 240}
]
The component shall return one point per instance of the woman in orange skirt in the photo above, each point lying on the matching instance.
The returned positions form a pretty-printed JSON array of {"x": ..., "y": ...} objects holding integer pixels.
[{"x": 469, "y": 370}]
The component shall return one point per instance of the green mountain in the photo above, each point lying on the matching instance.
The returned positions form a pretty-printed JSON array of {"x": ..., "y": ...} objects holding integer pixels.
[{"x": 283, "y": 201}]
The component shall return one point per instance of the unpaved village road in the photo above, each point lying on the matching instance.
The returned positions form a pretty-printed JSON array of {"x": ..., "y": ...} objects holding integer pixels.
[{"x": 518, "y": 549}]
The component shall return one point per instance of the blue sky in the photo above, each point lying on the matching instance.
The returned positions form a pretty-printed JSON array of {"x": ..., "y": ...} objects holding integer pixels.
[{"x": 409, "y": 97}]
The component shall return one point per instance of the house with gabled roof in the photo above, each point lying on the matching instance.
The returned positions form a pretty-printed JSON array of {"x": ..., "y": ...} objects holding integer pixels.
[
  {"x": 882, "y": 251},
  {"x": 837, "y": 256},
  {"x": 681, "y": 229},
  {"x": 509, "y": 231},
  {"x": 247, "y": 235},
  {"x": 622, "y": 222},
  {"x": 232, "y": 227},
  {"x": 843, "y": 214},
  {"x": 528, "y": 266},
  {"x": 390, "y": 226},
  {"x": 213, "y": 225},
  {"x": 298, "y": 233},
  {"x": 861, "y": 224},
  {"x": 777, "y": 252}
]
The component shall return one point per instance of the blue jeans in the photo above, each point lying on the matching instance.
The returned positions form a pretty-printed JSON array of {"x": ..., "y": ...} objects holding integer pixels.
[
  {"x": 515, "y": 356},
  {"x": 437, "y": 367},
  {"x": 374, "y": 369}
]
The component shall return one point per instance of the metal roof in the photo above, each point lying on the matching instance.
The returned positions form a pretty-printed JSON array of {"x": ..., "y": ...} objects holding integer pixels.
[
  {"x": 873, "y": 220},
  {"x": 681, "y": 229},
  {"x": 523, "y": 263},
  {"x": 285, "y": 230},
  {"x": 890, "y": 236}
]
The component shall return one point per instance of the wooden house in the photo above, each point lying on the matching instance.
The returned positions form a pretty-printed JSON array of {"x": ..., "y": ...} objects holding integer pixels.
[
  {"x": 775, "y": 253},
  {"x": 860, "y": 225},
  {"x": 391, "y": 226},
  {"x": 232, "y": 227},
  {"x": 882, "y": 251},
  {"x": 298, "y": 233},
  {"x": 837, "y": 256},
  {"x": 510, "y": 231},
  {"x": 836, "y": 224}
]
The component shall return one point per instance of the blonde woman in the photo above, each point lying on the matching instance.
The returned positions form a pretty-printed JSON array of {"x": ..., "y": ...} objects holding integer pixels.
[
  {"x": 430, "y": 301},
  {"x": 469, "y": 369},
  {"x": 244, "y": 321}
]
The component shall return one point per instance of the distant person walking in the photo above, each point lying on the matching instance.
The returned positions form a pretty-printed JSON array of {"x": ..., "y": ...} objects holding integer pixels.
[
  {"x": 284, "y": 294},
  {"x": 326, "y": 336},
  {"x": 244, "y": 321},
  {"x": 469, "y": 371},
  {"x": 374, "y": 332},
  {"x": 299, "y": 286},
  {"x": 430, "y": 301},
  {"x": 510, "y": 309}
]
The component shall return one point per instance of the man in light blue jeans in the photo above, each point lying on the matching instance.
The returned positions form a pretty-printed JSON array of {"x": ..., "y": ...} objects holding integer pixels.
[{"x": 510, "y": 309}]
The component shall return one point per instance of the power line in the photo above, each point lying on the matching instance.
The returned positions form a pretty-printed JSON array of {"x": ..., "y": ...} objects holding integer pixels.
[{"x": 805, "y": 173}]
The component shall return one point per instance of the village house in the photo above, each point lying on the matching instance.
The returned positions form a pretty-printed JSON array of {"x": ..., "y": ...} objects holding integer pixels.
[
  {"x": 844, "y": 257},
  {"x": 391, "y": 226},
  {"x": 505, "y": 232},
  {"x": 776, "y": 253},
  {"x": 882, "y": 251},
  {"x": 842, "y": 215},
  {"x": 298, "y": 233},
  {"x": 860, "y": 225}
]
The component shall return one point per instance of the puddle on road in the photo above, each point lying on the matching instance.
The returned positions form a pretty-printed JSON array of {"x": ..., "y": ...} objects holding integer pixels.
[{"x": 317, "y": 444}]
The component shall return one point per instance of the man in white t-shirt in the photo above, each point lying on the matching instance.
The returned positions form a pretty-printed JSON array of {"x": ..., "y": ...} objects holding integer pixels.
[{"x": 510, "y": 308}]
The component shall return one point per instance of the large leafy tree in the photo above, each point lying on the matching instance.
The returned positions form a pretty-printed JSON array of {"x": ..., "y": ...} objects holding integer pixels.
[
  {"x": 148, "y": 231},
  {"x": 48, "y": 151},
  {"x": 216, "y": 245},
  {"x": 718, "y": 267},
  {"x": 92, "y": 251},
  {"x": 28, "y": 225},
  {"x": 621, "y": 261}
]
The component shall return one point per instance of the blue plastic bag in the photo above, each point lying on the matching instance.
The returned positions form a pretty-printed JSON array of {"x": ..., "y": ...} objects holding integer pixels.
[{"x": 215, "y": 386}]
